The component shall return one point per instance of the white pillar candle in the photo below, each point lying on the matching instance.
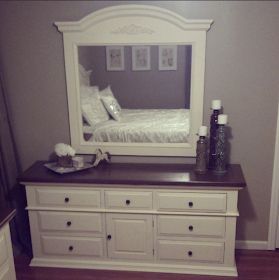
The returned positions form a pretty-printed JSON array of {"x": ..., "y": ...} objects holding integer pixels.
[
  {"x": 222, "y": 119},
  {"x": 203, "y": 131},
  {"x": 216, "y": 104}
]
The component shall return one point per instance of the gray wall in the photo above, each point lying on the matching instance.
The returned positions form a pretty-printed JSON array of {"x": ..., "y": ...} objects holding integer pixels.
[
  {"x": 151, "y": 89},
  {"x": 242, "y": 62}
]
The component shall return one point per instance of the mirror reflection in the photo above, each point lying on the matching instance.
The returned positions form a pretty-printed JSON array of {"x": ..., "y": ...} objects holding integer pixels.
[{"x": 135, "y": 94}]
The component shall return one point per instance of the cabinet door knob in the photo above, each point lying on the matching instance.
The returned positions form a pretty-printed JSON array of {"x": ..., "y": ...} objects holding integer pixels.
[
  {"x": 69, "y": 223},
  {"x": 191, "y": 204},
  {"x": 191, "y": 228},
  {"x": 71, "y": 248},
  {"x": 109, "y": 237},
  {"x": 128, "y": 201},
  {"x": 190, "y": 253},
  {"x": 66, "y": 199}
]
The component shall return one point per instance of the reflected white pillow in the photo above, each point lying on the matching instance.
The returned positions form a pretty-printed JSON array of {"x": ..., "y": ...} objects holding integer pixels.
[
  {"x": 93, "y": 109},
  {"x": 107, "y": 92},
  {"x": 86, "y": 91},
  {"x": 84, "y": 76},
  {"x": 112, "y": 107}
]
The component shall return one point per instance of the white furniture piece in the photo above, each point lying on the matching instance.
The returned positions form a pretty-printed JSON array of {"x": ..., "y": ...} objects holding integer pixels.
[
  {"x": 132, "y": 25},
  {"x": 7, "y": 267},
  {"x": 140, "y": 217}
]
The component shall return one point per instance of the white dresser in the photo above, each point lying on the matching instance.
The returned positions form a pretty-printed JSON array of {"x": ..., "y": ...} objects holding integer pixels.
[
  {"x": 7, "y": 268},
  {"x": 139, "y": 217}
]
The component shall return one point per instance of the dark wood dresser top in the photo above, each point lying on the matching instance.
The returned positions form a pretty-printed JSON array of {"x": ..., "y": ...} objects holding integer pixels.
[
  {"x": 6, "y": 214},
  {"x": 137, "y": 174}
]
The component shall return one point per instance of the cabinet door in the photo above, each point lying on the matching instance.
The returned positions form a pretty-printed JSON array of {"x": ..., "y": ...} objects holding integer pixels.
[{"x": 130, "y": 236}]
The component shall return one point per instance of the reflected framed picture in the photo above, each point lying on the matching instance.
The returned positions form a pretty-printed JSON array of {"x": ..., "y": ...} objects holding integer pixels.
[
  {"x": 167, "y": 58},
  {"x": 115, "y": 58},
  {"x": 140, "y": 58}
]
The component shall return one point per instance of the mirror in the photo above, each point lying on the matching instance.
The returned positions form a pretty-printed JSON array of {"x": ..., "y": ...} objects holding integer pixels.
[
  {"x": 154, "y": 94},
  {"x": 135, "y": 77}
]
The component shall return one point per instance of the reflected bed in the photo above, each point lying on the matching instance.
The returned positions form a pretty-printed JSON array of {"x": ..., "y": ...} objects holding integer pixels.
[{"x": 144, "y": 126}]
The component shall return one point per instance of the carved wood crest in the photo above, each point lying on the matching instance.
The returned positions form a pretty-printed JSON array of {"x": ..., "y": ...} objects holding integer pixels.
[{"x": 132, "y": 29}]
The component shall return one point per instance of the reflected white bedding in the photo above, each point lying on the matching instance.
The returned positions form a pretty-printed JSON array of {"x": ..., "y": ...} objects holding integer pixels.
[{"x": 145, "y": 126}]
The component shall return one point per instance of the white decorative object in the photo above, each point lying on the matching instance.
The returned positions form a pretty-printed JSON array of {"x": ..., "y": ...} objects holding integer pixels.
[
  {"x": 78, "y": 162},
  {"x": 168, "y": 28},
  {"x": 62, "y": 149},
  {"x": 167, "y": 58},
  {"x": 101, "y": 156},
  {"x": 64, "y": 153},
  {"x": 203, "y": 131},
  {"x": 222, "y": 119},
  {"x": 115, "y": 58},
  {"x": 216, "y": 104},
  {"x": 141, "y": 58}
]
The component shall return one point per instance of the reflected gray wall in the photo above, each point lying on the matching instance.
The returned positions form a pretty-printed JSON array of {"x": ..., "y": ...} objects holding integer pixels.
[
  {"x": 151, "y": 89},
  {"x": 242, "y": 65}
]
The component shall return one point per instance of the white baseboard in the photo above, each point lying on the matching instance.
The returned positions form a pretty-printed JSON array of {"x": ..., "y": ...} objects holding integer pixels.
[{"x": 251, "y": 244}]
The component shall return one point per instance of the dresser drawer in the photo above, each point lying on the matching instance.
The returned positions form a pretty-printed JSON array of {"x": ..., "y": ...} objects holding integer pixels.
[
  {"x": 7, "y": 270},
  {"x": 190, "y": 251},
  {"x": 72, "y": 246},
  {"x": 191, "y": 226},
  {"x": 128, "y": 199},
  {"x": 68, "y": 198},
  {"x": 70, "y": 222},
  {"x": 191, "y": 201},
  {"x": 3, "y": 248}
]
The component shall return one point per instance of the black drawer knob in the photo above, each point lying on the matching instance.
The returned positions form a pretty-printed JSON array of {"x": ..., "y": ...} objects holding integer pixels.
[
  {"x": 67, "y": 199},
  {"x": 191, "y": 204},
  {"x": 191, "y": 228},
  {"x": 71, "y": 248},
  {"x": 190, "y": 253},
  {"x": 109, "y": 237},
  {"x": 69, "y": 223},
  {"x": 128, "y": 201}
]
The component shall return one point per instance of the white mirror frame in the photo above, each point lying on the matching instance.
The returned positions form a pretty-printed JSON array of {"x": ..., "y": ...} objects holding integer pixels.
[{"x": 135, "y": 25}]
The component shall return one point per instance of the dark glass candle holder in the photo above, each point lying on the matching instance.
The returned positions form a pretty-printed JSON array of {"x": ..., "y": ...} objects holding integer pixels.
[
  {"x": 201, "y": 155},
  {"x": 221, "y": 150},
  {"x": 213, "y": 138}
]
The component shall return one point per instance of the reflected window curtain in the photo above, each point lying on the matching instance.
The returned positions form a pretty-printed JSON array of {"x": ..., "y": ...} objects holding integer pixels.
[{"x": 11, "y": 193}]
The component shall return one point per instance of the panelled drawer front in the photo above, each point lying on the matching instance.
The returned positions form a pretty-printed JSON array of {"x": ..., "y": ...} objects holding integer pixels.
[
  {"x": 128, "y": 199},
  {"x": 3, "y": 249},
  {"x": 70, "y": 222},
  {"x": 72, "y": 246},
  {"x": 190, "y": 201},
  {"x": 191, "y": 226},
  {"x": 68, "y": 198},
  {"x": 190, "y": 251}
]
